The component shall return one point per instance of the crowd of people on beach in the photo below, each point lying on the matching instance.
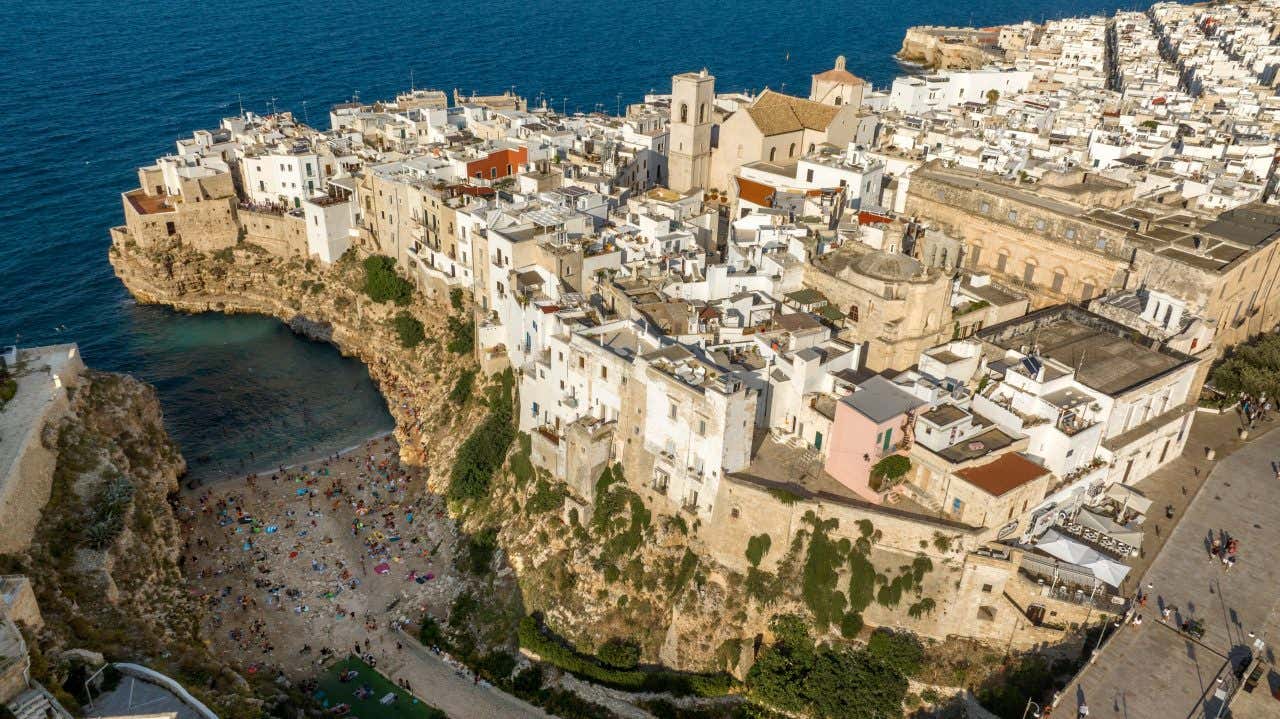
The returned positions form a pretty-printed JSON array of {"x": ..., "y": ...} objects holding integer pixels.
[{"x": 307, "y": 541}]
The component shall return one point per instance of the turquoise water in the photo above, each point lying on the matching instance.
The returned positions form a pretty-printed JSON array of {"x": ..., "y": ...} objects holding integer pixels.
[{"x": 95, "y": 88}]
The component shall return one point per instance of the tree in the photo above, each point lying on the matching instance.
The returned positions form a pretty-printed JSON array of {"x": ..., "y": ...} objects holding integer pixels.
[
  {"x": 408, "y": 330},
  {"x": 992, "y": 96},
  {"x": 796, "y": 676},
  {"x": 382, "y": 284},
  {"x": 900, "y": 650},
  {"x": 619, "y": 653},
  {"x": 889, "y": 470}
]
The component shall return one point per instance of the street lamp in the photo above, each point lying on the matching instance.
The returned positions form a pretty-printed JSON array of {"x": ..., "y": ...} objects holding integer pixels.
[{"x": 1030, "y": 704}]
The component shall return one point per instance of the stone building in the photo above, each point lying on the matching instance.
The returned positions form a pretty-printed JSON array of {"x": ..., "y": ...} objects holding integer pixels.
[
  {"x": 837, "y": 86},
  {"x": 1074, "y": 236},
  {"x": 693, "y": 97},
  {"x": 894, "y": 306}
]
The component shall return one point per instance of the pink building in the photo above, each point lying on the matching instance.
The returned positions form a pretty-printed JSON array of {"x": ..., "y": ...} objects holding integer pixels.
[{"x": 869, "y": 424}]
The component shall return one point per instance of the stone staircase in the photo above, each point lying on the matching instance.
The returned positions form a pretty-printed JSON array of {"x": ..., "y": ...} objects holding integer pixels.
[{"x": 36, "y": 703}]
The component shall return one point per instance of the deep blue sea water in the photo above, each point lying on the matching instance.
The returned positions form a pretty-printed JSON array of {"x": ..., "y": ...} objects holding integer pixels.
[{"x": 92, "y": 89}]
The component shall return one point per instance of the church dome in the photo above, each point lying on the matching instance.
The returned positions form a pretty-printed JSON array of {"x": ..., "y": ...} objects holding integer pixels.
[{"x": 888, "y": 266}]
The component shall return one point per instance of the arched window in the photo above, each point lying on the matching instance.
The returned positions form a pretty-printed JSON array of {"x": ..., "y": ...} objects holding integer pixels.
[
  {"x": 853, "y": 313},
  {"x": 684, "y": 112},
  {"x": 702, "y": 113},
  {"x": 811, "y": 146},
  {"x": 792, "y": 151},
  {"x": 773, "y": 153}
]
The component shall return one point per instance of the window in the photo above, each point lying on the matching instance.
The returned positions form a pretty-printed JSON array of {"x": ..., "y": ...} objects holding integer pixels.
[
  {"x": 1002, "y": 262},
  {"x": 853, "y": 313},
  {"x": 984, "y": 207},
  {"x": 308, "y": 169},
  {"x": 493, "y": 173},
  {"x": 773, "y": 154},
  {"x": 1086, "y": 292},
  {"x": 974, "y": 255},
  {"x": 684, "y": 112},
  {"x": 702, "y": 113},
  {"x": 1070, "y": 233},
  {"x": 702, "y": 428},
  {"x": 808, "y": 176},
  {"x": 170, "y": 229},
  {"x": 1040, "y": 225},
  {"x": 811, "y": 145},
  {"x": 791, "y": 151},
  {"x": 671, "y": 412},
  {"x": 1058, "y": 280},
  {"x": 1013, "y": 215},
  {"x": 604, "y": 372},
  {"x": 986, "y": 588},
  {"x": 582, "y": 362},
  {"x": 1028, "y": 273}
]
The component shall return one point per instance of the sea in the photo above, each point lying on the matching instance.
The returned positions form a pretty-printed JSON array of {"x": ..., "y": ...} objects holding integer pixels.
[{"x": 93, "y": 89}]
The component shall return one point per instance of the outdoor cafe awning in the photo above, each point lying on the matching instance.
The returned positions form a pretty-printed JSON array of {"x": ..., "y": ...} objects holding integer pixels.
[{"x": 1129, "y": 497}]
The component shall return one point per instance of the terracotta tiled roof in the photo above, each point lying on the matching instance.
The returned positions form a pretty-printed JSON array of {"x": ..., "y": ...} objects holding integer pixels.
[
  {"x": 1008, "y": 472},
  {"x": 774, "y": 114},
  {"x": 844, "y": 76}
]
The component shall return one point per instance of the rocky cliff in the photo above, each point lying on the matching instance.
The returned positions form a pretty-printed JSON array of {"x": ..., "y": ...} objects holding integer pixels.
[
  {"x": 610, "y": 568},
  {"x": 105, "y": 559},
  {"x": 944, "y": 49}
]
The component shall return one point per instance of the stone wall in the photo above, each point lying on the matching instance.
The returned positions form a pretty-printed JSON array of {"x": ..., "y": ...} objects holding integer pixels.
[
  {"x": 1088, "y": 259},
  {"x": 279, "y": 234},
  {"x": 745, "y": 508},
  {"x": 39, "y": 403}
]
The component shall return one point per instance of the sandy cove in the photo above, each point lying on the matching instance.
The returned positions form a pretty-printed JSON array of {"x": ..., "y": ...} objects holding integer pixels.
[{"x": 322, "y": 556}]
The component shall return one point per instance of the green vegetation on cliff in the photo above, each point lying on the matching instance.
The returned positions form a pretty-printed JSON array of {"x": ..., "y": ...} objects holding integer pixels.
[
  {"x": 484, "y": 452},
  {"x": 797, "y": 675},
  {"x": 409, "y": 331},
  {"x": 537, "y": 638},
  {"x": 381, "y": 282}
]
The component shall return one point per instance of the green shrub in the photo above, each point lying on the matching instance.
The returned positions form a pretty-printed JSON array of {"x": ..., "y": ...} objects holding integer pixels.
[
  {"x": 497, "y": 666},
  {"x": 409, "y": 330},
  {"x": 480, "y": 550},
  {"x": 455, "y": 298},
  {"x": 382, "y": 284},
  {"x": 619, "y": 654},
  {"x": 8, "y": 388},
  {"x": 462, "y": 333},
  {"x": 528, "y": 680},
  {"x": 889, "y": 471},
  {"x": 850, "y": 625},
  {"x": 430, "y": 633},
  {"x": 899, "y": 650},
  {"x": 485, "y": 450},
  {"x": 796, "y": 676},
  {"x": 534, "y": 638},
  {"x": 546, "y": 497},
  {"x": 757, "y": 548},
  {"x": 462, "y": 387}
]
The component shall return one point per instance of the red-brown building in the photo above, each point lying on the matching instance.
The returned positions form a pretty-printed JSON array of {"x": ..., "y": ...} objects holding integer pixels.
[{"x": 499, "y": 164}]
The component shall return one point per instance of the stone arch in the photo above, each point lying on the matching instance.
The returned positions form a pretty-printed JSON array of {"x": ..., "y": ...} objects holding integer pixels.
[
  {"x": 791, "y": 151},
  {"x": 773, "y": 153}
]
